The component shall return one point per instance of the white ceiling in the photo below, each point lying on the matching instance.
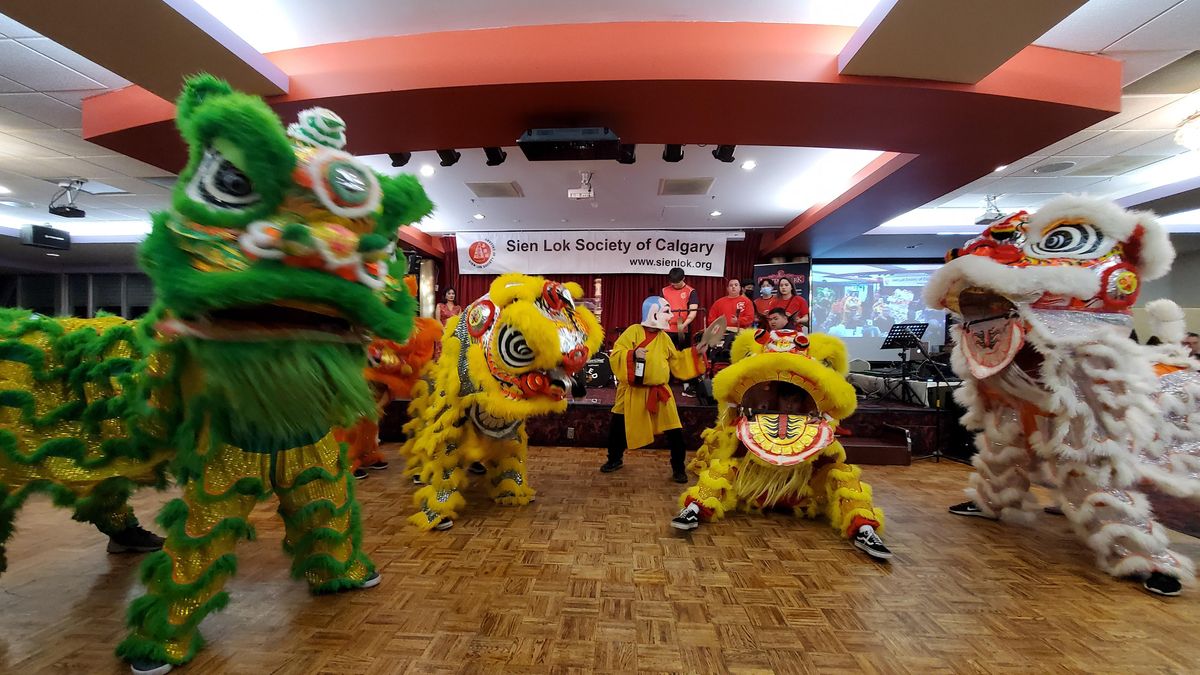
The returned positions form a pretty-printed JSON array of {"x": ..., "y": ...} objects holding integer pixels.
[
  {"x": 1123, "y": 155},
  {"x": 42, "y": 86},
  {"x": 272, "y": 25},
  {"x": 784, "y": 183}
]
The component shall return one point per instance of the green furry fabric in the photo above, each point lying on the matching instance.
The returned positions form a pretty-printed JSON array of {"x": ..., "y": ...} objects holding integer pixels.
[
  {"x": 211, "y": 114},
  {"x": 280, "y": 395}
]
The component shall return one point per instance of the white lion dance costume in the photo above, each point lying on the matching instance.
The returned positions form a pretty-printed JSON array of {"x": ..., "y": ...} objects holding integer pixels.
[
  {"x": 510, "y": 355},
  {"x": 1061, "y": 392}
]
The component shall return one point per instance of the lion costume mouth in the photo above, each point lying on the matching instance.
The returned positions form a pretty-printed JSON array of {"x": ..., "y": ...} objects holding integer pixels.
[
  {"x": 283, "y": 320},
  {"x": 993, "y": 331},
  {"x": 781, "y": 424}
]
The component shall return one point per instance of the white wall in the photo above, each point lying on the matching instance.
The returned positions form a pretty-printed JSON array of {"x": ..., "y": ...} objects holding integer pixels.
[{"x": 1182, "y": 285}]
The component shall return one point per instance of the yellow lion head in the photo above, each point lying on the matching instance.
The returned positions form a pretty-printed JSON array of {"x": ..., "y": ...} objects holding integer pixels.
[
  {"x": 518, "y": 347},
  {"x": 785, "y": 393}
]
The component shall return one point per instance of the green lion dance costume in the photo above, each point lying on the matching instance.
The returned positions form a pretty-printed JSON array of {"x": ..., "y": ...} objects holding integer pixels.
[
  {"x": 269, "y": 270},
  {"x": 774, "y": 446},
  {"x": 509, "y": 356}
]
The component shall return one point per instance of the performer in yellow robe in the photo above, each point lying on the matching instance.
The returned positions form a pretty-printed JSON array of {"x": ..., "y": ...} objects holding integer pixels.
[{"x": 643, "y": 361}]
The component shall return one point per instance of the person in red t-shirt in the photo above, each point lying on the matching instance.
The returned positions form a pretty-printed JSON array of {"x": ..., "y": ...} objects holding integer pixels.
[
  {"x": 735, "y": 307},
  {"x": 684, "y": 302},
  {"x": 795, "y": 306}
]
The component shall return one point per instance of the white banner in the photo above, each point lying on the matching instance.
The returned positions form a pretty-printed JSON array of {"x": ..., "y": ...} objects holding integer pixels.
[{"x": 699, "y": 254}]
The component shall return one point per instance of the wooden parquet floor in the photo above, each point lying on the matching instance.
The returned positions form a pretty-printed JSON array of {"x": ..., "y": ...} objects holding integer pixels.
[{"x": 592, "y": 579}]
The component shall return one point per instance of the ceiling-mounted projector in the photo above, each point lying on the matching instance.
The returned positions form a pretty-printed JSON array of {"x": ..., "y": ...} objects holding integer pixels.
[{"x": 549, "y": 145}]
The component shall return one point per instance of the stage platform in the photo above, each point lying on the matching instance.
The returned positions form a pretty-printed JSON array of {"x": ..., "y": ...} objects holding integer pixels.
[{"x": 880, "y": 432}]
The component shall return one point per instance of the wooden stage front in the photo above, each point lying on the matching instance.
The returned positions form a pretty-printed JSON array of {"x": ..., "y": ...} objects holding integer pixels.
[
  {"x": 590, "y": 578},
  {"x": 879, "y": 432}
]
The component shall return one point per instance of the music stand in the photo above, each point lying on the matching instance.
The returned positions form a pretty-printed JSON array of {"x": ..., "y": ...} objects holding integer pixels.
[{"x": 904, "y": 336}]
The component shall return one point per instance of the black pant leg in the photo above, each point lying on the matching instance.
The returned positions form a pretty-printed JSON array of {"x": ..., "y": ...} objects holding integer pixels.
[
  {"x": 678, "y": 451},
  {"x": 616, "y": 438}
]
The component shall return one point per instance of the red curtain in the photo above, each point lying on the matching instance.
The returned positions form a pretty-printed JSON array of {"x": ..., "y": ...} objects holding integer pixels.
[{"x": 622, "y": 293}]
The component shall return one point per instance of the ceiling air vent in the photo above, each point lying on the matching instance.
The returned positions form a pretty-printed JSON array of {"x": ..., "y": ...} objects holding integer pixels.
[
  {"x": 1053, "y": 167},
  {"x": 493, "y": 190},
  {"x": 681, "y": 187}
]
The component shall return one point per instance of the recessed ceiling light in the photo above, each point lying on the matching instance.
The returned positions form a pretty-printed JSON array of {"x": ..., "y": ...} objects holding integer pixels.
[
  {"x": 52, "y": 255},
  {"x": 1001, "y": 168},
  {"x": 749, "y": 165},
  {"x": 714, "y": 214},
  {"x": 478, "y": 216},
  {"x": 427, "y": 170},
  {"x": 564, "y": 220},
  {"x": 912, "y": 246},
  {"x": 4, "y": 190}
]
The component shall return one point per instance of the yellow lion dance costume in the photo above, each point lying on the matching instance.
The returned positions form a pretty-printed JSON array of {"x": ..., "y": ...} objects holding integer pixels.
[
  {"x": 510, "y": 355},
  {"x": 773, "y": 445}
]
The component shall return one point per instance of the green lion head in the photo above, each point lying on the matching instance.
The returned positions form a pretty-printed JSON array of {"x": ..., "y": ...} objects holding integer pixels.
[{"x": 272, "y": 266}]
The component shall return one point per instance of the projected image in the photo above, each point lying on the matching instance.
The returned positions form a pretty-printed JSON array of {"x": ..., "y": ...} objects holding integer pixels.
[{"x": 859, "y": 303}]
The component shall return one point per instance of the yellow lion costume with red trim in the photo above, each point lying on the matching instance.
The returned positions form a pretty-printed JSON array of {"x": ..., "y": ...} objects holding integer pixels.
[{"x": 773, "y": 446}]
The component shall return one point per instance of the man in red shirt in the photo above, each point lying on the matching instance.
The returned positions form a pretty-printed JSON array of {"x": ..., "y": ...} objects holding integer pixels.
[
  {"x": 737, "y": 309},
  {"x": 684, "y": 304}
]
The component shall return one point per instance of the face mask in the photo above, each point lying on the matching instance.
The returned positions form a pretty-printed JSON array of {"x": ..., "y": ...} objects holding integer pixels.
[{"x": 767, "y": 291}]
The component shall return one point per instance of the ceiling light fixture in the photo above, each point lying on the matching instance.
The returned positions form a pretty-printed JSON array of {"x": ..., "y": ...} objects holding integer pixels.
[
  {"x": 1000, "y": 168},
  {"x": 4, "y": 190},
  {"x": 749, "y": 165},
  {"x": 427, "y": 170},
  {"x": 449, "y": 157},
  {"x": 399, "y": 158},
  {"x": 626, "y": 153},
  {"x": 495, "y": 156},
  {"x": 53, "y": 255},
  {"x": 478, "y": 216},
  {"x": 672, "y": 153},
  {"x": 1188, "y": 133},
  {"x": 715, "y": 214},
  {"x": 724, "y": 153}
]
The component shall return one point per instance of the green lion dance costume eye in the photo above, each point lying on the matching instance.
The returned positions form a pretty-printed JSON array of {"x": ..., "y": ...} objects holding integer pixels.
[{"x": 271, "y": 272}]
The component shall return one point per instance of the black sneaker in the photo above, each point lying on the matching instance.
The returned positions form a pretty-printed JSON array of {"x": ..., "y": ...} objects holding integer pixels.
[
  {"x": 379, "y": 466},
  {"x": 135, "y": 539},
  {"x": 417, "y": 480},
  {"x": 969, "y": 509},
  {"x": 477, "y": 468},
  {"x": 1054, "y": 510},
  {"x": 146, "y": 667},
  {"x": 868, "y": 542},
  {"x": 444, "y": 525},
  {"x": 688, "y": 519},
  {"x": 679, "y": 476},
  {"x": 1161, "y": 584},
  {"x": 611, "y": 466},
  {"x": 688, "y": 392},
  {"x": 360, "y": 474}
]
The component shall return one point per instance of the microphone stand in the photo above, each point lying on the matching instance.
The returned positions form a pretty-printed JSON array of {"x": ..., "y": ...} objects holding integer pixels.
[{"x": 940, "y": 380}]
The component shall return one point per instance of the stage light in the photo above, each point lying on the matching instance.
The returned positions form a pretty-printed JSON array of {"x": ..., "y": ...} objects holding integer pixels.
[
  {"x": 672, "y": 153},
  {"x": 399, "y": 158},
  {"x": 449, "y": 157},
  {"x": 724, "y": 153},
  {"x": 495, "y": 156},
  {"x": 427, "y": 170},
  {"x": 625, "y": 153}
]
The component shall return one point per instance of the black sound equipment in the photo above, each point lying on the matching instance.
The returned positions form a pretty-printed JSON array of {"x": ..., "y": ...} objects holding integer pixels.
[
  {"x": 541, "y": 145},
  {"x": 598, "y": 372},
  {"x": 44, "y": 236}
]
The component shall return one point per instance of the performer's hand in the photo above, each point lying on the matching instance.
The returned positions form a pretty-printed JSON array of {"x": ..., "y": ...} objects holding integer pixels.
[{"x": 640, "y": 353}]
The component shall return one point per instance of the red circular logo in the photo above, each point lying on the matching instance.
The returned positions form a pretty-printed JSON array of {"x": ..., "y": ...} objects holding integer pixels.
[{"x": 481, "y": 252}]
